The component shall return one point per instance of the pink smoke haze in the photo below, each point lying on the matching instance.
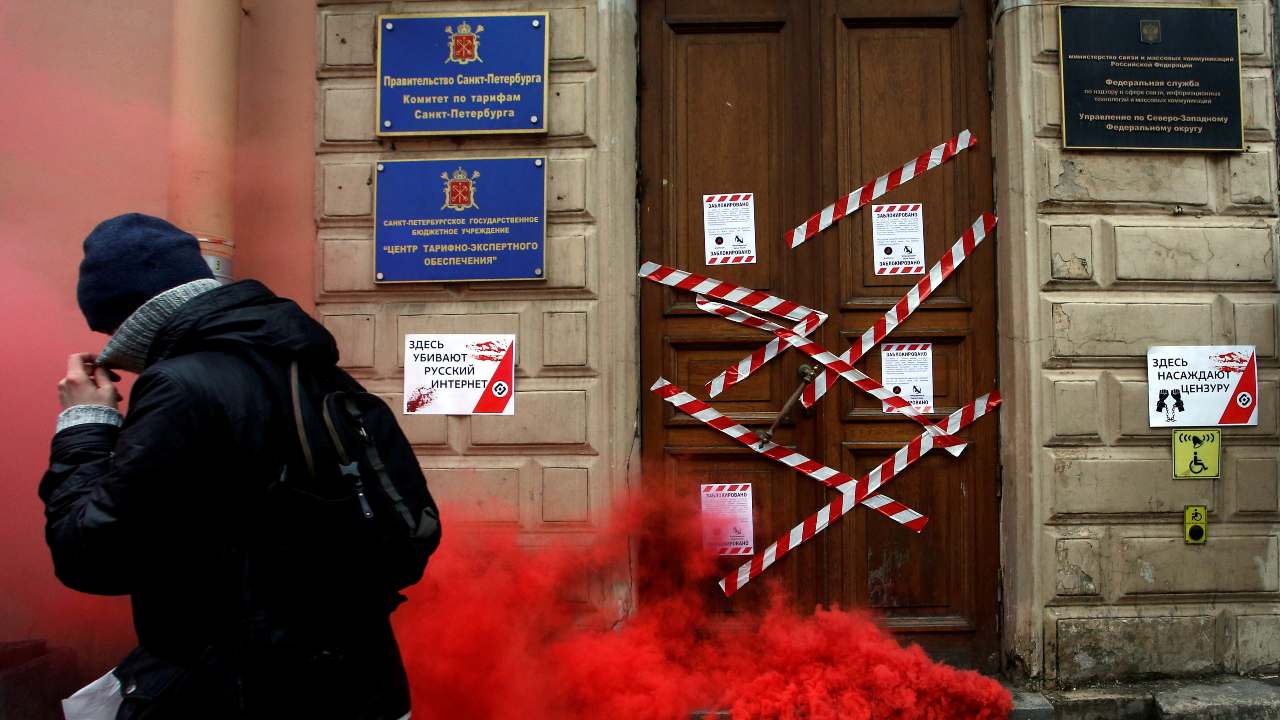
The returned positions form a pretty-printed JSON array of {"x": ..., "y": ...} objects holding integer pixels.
[
  {"x": 85, "y": 136},
  {"x": 501, "y": 630},
  {"x": 497, "y": 628}
]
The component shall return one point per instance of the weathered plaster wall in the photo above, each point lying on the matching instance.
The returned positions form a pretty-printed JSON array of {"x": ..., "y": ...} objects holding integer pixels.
[
  {"x": 1101, "y": 255},
  {"x": 555, "y": 467},
  {"x": 86, "y": 88},
  {"x": 274, "y": 147},
  {"x": 85, "y": 136}
]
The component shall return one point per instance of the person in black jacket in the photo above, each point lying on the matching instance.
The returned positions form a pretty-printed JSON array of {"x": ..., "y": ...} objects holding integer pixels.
[{"x": 167, "y": 503}]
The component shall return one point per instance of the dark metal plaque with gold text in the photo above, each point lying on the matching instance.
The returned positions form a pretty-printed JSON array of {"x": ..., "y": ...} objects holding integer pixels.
[{"x": 1150, "y": 78}]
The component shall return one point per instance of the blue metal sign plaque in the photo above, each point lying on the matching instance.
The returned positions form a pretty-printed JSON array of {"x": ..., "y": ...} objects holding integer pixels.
[
  {"x": 462, "y": 74},
  {"x": 464, "y": 219}
]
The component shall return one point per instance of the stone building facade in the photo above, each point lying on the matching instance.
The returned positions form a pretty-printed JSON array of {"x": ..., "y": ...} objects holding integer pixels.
[
  {"x": 555, "y": 467},
  {"x": 1100, "y": 254}
]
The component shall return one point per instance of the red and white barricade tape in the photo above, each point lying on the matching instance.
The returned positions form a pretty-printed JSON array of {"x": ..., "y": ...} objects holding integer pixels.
[
  {"x": 742, "y": 369},
  {"x": 731, "y": 260},
  {"x": 853, "y": 493},
  {"x": 906, "y": 305},
  {"x": 700, "y": 411},
  {"x": 722, "y": 290},
  {"x": 878, "y": 187},
  {"x": 806, "y": 319},
  {"x": 735, "y": 551},
  {"x": 829, "y": 359},
  {"x": 940, "y": 271}
]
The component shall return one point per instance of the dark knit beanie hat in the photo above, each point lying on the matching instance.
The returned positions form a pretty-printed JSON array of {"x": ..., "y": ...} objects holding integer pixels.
[{"x": 130, "y": 259}]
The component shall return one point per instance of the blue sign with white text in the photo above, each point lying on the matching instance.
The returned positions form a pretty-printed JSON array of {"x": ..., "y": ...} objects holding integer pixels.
[
  {"x": 462, "y": 74},
  {"x": 459, "y": 220}
]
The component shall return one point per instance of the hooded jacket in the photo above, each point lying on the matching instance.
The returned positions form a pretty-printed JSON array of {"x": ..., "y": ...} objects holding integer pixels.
[{"x": 168, "y": 509}]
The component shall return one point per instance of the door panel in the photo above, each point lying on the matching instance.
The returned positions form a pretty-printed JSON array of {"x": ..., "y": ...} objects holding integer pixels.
[
  {"x": 899, "y": 93},
  {"x": 800, "y": 102},
  {"x": 724, "y": 88},
  {"x": 952, "y": 366},
  {"x": 914, "y": 80},
  {"x": 719, "y": 82},
  {"x": 773, "y": 497}
]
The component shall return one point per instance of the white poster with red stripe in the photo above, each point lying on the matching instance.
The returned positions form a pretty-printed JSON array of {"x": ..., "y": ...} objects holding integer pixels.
[
  {"x": 726, "y": 519},
  {"x": 906, "y": 370},
  {"x": 897, "y": 233},
  {"x": 1202, "y": 385},
  {"x": 459, "y": 374},
  {"x": 729, "y": 228}
]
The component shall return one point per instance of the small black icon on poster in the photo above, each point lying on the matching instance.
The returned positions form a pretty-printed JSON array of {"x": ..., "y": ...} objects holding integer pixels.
[{"x": 1170, "y": 403}]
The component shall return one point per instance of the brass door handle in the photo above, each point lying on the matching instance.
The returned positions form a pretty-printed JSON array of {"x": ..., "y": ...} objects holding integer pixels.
[{"x": 806, "y": 373}]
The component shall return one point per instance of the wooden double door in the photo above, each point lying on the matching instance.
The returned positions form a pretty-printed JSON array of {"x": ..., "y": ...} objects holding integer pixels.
[{"x": 799, "y": 102}]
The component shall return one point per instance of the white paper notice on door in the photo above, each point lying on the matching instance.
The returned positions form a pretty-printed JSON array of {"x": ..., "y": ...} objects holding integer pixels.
[
  {"x": 906, "y": 370},
  {"x": 897, "y": 233},
  {"x": 729, "y": 228},
  {"x": 726, "y": 519}
]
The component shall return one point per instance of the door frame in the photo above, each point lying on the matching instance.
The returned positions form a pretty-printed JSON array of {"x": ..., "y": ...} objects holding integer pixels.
[{"x": 651, "y": 305}]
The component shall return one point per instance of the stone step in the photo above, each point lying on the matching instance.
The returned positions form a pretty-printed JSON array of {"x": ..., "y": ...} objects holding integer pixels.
[
  {"x": 1029, "y": 705},
  {"x": 1230, "y": 699},
  {"x": 1224, "y": 698}
]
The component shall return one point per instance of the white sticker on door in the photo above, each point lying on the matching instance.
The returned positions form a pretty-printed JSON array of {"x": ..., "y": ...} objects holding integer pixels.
[
  {"x": 907, "y": 371},
  {"x": 897, "y": 233},
  {"x": 729, "y": 228},
  {"x": 726, "y": 519}
]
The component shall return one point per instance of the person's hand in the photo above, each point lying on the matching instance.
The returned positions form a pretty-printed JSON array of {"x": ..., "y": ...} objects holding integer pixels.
[{"x": 87, "y": 384}]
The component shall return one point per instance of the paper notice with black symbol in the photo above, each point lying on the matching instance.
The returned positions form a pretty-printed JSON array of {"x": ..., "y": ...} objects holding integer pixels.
[
  {"x": 726, "y": 519},
  {"x": 729, "y": 228},
  {"x": 1202, "y": 385},
  {"x": 906, "y": 370},
  {"x": 897, "y": 233}
]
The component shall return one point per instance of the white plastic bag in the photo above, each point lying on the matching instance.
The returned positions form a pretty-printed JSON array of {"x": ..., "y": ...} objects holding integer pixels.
[{"x": 99, "y": 700}]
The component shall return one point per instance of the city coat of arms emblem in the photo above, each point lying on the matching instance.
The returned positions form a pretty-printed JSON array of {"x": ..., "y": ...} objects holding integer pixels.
[
  {"x": 464, "y": 44},
  {"x": 459, "y": 190},
  {"x": 1149, "y": 31}
]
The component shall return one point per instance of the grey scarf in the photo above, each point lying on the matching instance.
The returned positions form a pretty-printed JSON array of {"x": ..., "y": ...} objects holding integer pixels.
[{"x": 127, "y": 349}]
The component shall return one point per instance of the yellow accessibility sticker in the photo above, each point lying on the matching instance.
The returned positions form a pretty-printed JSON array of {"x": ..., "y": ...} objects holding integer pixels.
[
  {"x": 1197, "y": 454},
  {"x": 1195, "y": 524}
]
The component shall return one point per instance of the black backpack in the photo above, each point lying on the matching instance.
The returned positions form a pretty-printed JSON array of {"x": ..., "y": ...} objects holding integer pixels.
[{"x": 352, "y": 519}]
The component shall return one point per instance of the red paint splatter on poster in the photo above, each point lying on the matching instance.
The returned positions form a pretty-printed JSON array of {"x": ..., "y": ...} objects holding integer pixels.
[
  {"x": 499, "y": 628},
  {"x": 419, "y": 399},
  {"x": 489, "y": 350},
  {"x": 1232, "y": 362}
]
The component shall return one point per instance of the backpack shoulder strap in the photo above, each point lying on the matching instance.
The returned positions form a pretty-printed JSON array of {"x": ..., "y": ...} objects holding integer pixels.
[
  {"x": 295, "y": 391},
  {"x": 379, "y": 468}
]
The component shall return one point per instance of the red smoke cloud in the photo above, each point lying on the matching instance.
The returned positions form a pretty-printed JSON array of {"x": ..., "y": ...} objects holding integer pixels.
[{"x": 500, "y": 630}]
